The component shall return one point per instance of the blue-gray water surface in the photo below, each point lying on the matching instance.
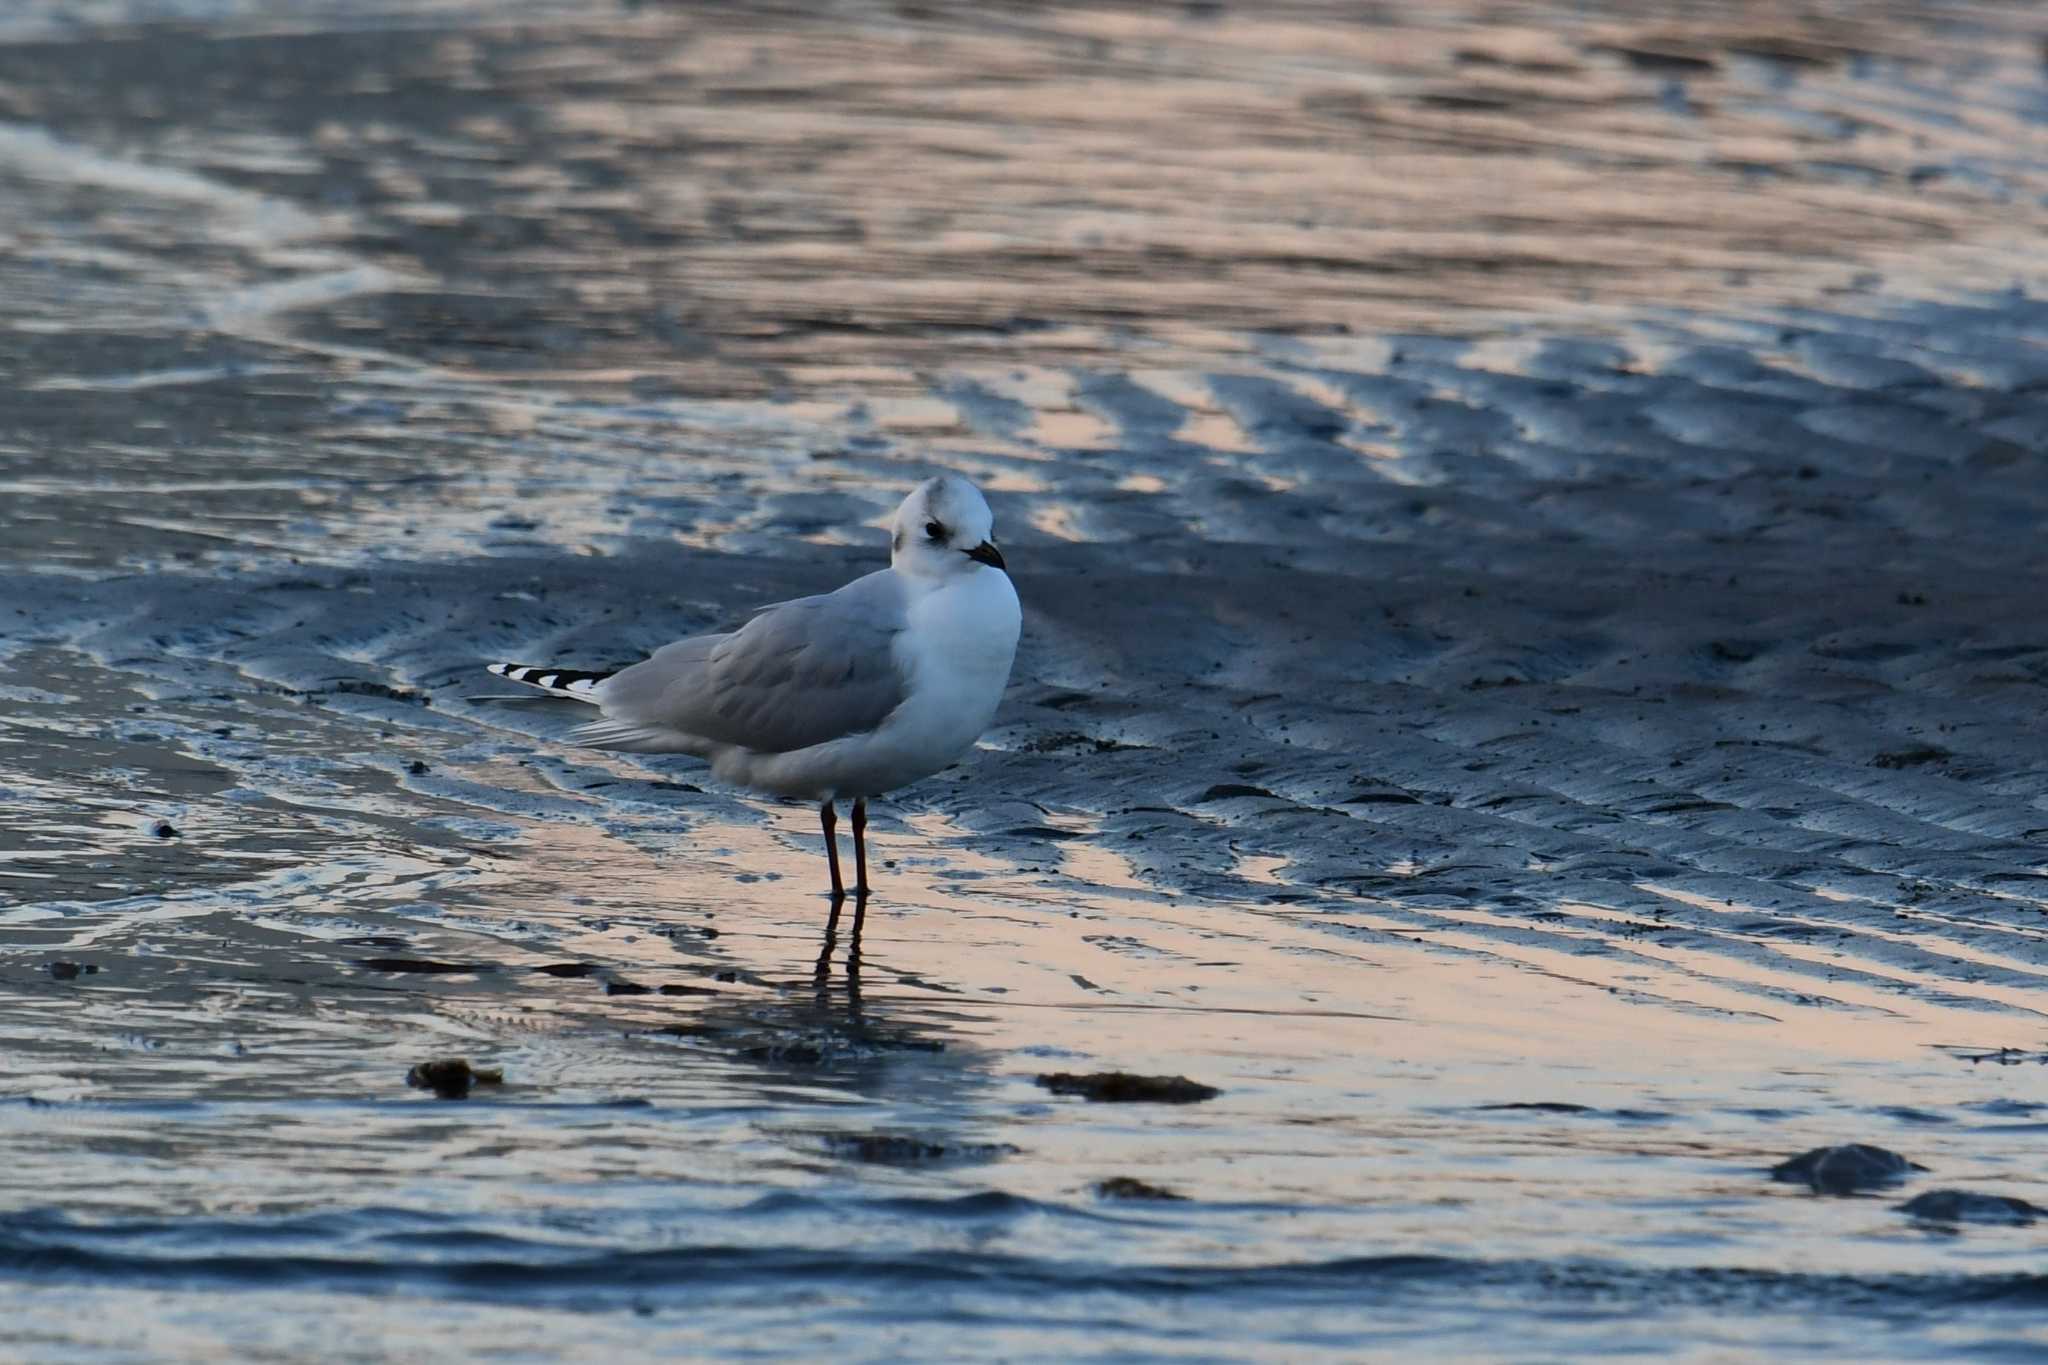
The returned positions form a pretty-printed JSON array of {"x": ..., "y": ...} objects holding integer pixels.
[{"x": 1530, "y": 527}]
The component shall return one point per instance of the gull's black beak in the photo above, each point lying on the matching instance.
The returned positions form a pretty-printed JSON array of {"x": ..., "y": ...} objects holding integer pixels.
[{"x": 987, "y": 553}]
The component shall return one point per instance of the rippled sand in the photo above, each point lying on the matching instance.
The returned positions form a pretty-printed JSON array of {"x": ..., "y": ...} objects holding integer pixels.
[{"x": 1529, "y": 529}]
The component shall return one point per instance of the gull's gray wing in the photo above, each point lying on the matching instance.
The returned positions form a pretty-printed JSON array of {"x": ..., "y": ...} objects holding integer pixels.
[{"x": 800, "y": 673}]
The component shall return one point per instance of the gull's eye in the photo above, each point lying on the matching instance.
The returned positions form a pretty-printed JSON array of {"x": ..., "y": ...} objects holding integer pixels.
[{"x": 934, "y": 530}]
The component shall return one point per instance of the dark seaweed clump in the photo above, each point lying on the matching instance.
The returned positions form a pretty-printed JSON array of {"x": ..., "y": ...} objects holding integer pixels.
[
  {"x": 900, "y": 1149},
  {"x": 1130, "y": 1187},
  {"x": 450, "y": 1078},
  {"x": 1542, "y": 1107},
  {"x": 1121, "y": 1087}
]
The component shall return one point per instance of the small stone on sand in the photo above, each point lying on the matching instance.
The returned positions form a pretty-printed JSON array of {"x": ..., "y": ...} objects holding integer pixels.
[{"x": 1847, "y": 1169}]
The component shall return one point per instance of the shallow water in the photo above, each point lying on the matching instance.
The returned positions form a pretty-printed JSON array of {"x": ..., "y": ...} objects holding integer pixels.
[{"x": 1532, "y": 682}]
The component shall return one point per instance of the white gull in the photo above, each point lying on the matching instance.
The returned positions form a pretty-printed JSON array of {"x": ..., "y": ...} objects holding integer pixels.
[{"x": 849, "y": 694}]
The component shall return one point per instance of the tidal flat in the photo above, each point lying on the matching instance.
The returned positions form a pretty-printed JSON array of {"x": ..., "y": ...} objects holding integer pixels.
[{"x": 1532, "y": 692}]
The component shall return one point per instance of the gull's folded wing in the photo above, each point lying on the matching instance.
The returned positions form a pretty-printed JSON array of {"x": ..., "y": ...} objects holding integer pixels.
[{"x": 797, "y": 674}]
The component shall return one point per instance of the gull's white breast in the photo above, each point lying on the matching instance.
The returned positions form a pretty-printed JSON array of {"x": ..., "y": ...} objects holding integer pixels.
[{"x": 957, "y": 654}]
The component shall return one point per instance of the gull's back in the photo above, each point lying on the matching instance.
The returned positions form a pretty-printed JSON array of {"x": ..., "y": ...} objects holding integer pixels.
[{"x": 800, "y": 673}]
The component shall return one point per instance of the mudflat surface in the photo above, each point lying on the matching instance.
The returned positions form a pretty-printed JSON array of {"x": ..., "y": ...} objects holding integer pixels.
[{"x": 1529, "y": 527}]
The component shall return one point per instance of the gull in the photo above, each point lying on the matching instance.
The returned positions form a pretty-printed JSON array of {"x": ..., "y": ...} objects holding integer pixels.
[{"x": 849, "y": 694}]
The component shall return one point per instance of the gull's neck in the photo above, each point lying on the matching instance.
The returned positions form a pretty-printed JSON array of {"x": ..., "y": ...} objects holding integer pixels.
[{"x": 921, "y": 584}]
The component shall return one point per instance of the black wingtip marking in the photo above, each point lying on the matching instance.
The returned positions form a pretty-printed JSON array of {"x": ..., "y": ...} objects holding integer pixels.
[{"x": 550, "y": 679}]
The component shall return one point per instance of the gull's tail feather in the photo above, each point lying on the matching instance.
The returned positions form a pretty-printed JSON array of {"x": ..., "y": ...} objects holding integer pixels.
[
  {"x": 634, "y": 737},
  {"x": 577, "y": 684}
]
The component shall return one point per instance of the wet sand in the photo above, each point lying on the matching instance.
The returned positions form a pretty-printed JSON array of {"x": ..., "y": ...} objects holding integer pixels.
[{"x": 1532, "y": 679}]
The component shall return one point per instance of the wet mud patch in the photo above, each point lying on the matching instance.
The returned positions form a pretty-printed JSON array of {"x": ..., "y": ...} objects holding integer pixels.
[{"x": 418, "y": 966}]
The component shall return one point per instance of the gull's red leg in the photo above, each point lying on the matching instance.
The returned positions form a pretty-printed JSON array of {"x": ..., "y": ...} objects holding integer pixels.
[
  {"x": 860, "y": 847},
  {"x": 829, "y": 818}
]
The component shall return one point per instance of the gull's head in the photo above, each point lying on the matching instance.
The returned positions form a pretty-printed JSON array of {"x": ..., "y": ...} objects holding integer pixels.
[{"x": 943, "y": 528}]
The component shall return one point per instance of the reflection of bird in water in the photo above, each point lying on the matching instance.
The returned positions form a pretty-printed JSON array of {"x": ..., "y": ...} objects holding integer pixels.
[
  {"x": 849, "y": 694},
  {"x": 821, "y": 978}
]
